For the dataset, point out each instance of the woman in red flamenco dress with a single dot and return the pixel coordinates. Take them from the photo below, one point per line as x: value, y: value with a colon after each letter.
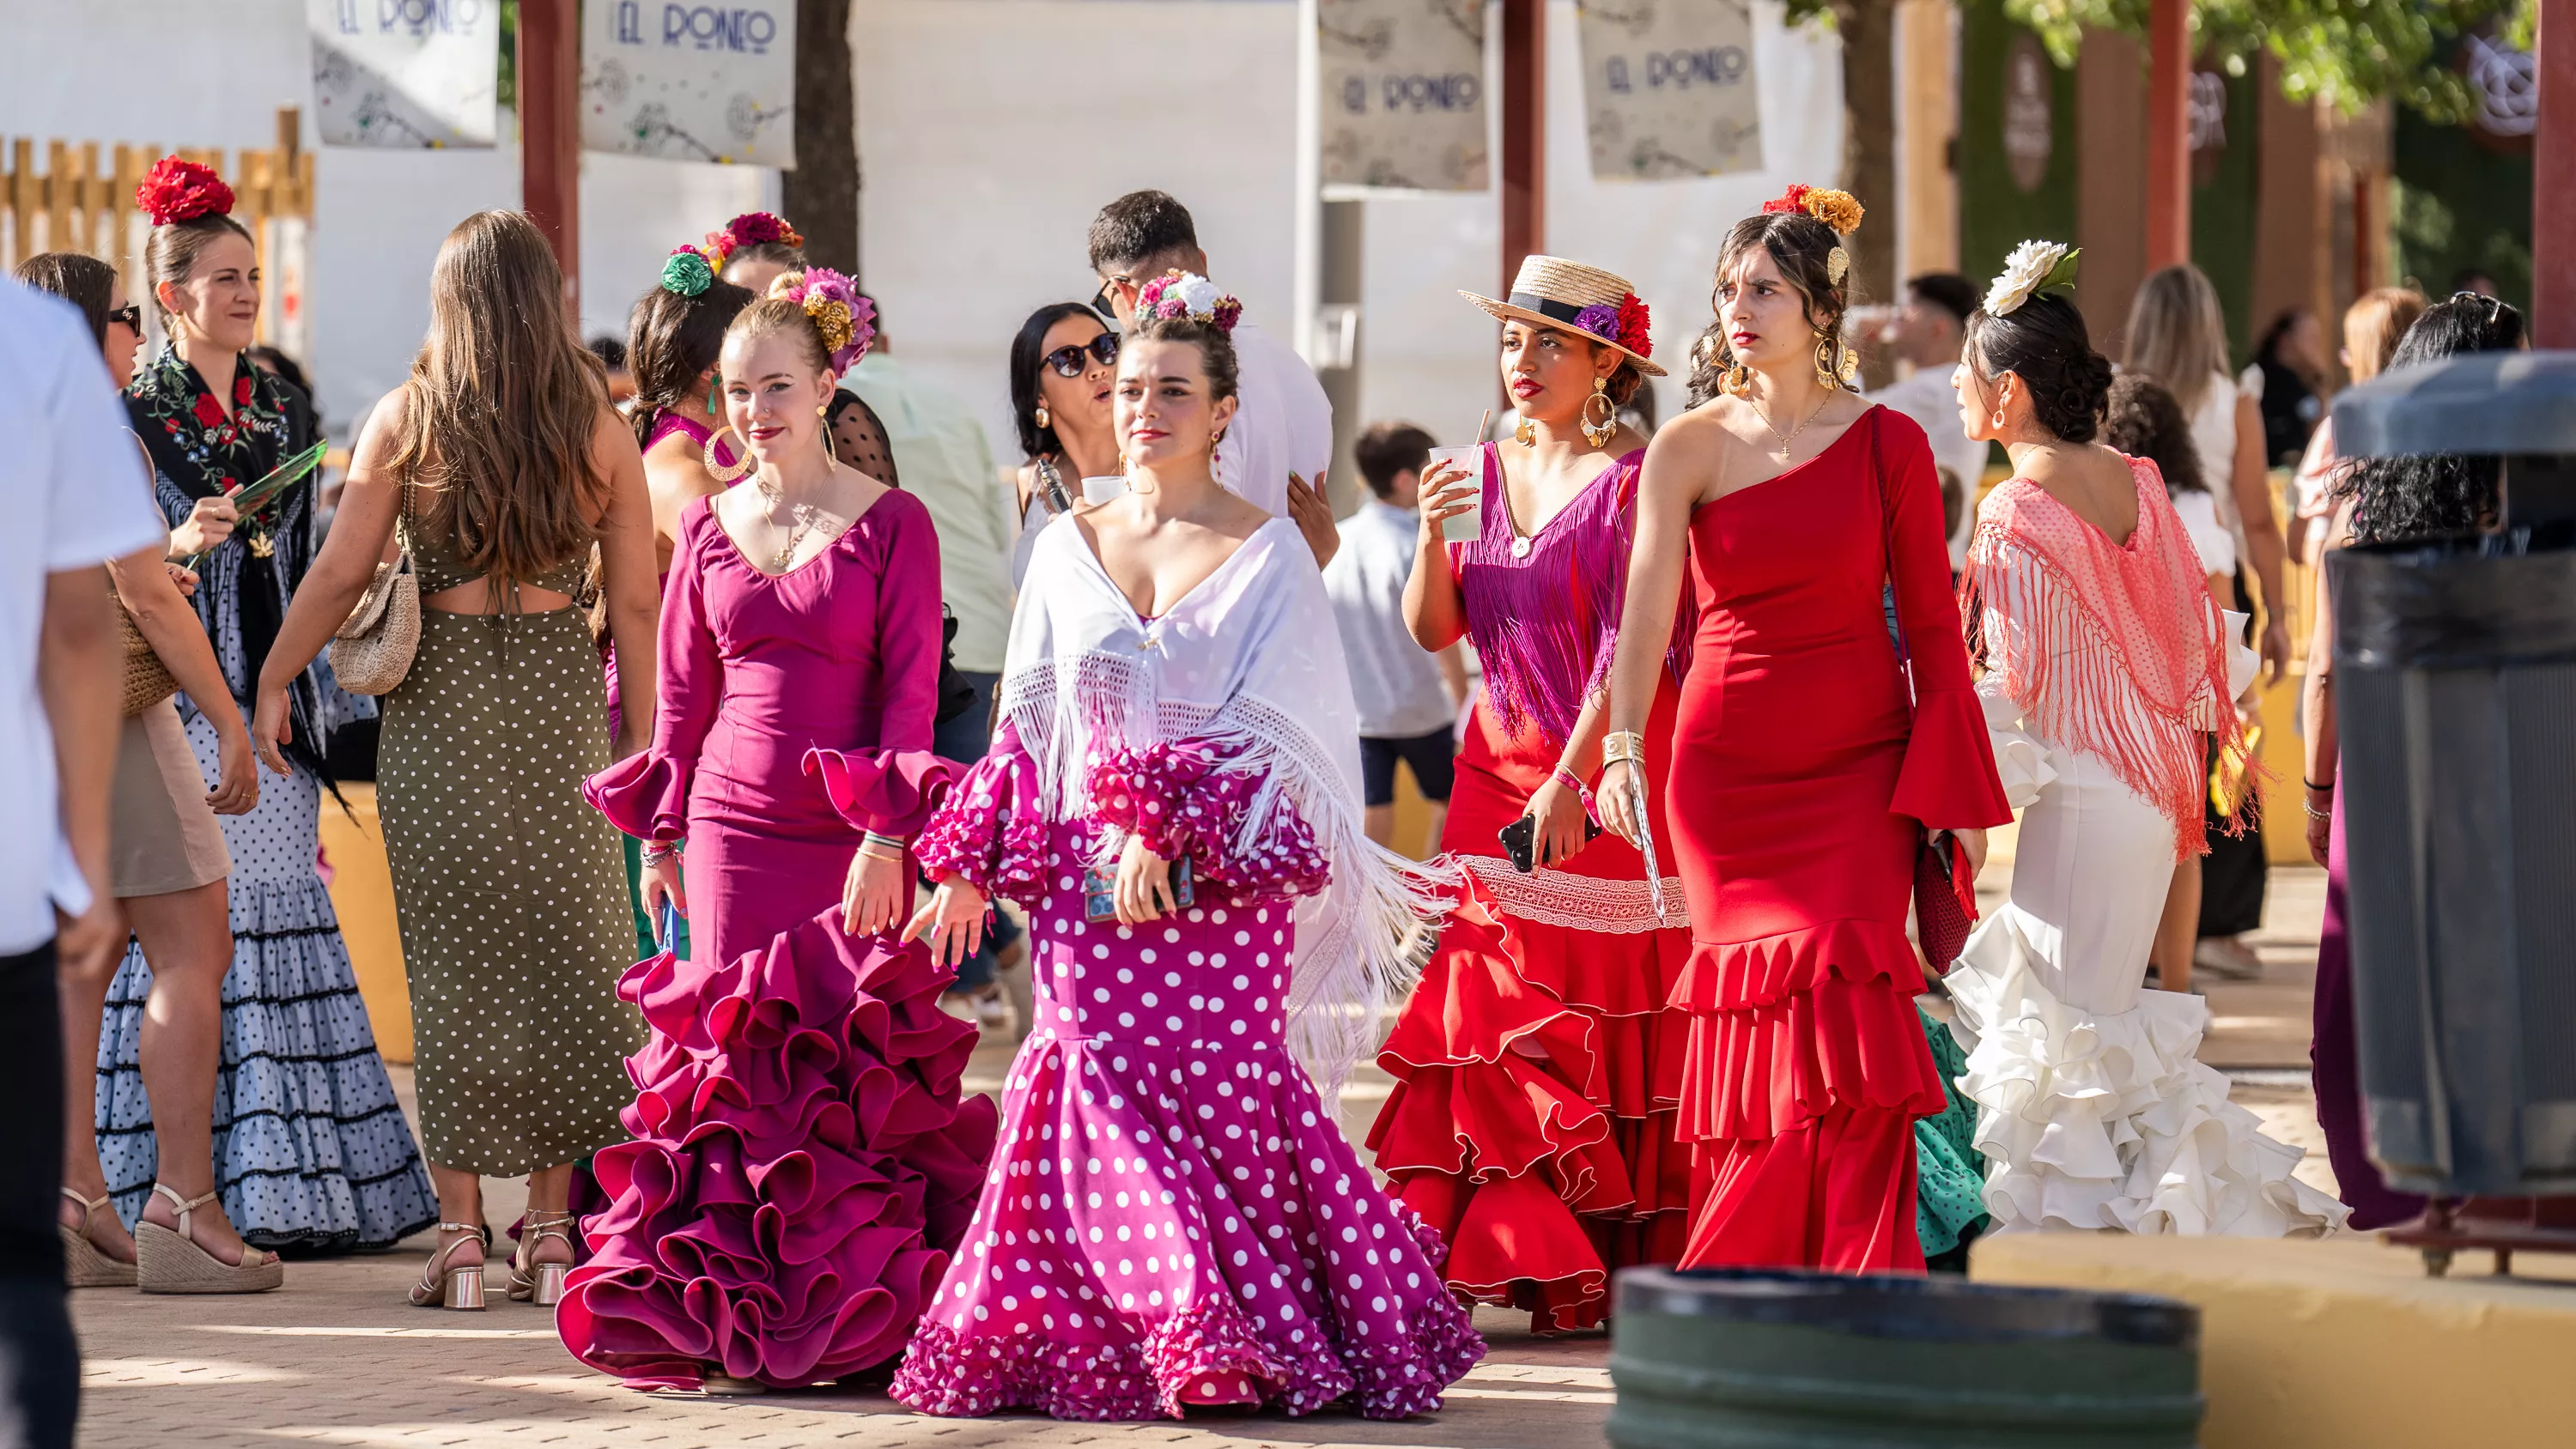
x: 1538, y: 1073
x: 1803, y: 776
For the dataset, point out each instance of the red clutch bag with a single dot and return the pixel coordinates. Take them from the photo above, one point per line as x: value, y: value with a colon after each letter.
x: 1945, y: 899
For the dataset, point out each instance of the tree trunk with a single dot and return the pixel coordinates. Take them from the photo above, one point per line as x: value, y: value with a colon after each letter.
x: 822, y: 194
x: 1868, y: 30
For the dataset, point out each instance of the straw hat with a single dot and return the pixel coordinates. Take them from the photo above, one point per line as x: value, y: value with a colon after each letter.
x: 1554, y: 292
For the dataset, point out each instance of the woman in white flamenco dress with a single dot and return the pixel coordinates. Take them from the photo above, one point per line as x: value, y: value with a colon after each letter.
x: 2108, y: 665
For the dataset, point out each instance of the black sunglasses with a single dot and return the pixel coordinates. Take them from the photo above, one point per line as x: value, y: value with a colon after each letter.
x: 131, y: 315
x: 1067, y: 361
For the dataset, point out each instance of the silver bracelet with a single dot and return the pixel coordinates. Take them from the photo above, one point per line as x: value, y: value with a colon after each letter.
x: 657, y: 851
x: 891, y: 842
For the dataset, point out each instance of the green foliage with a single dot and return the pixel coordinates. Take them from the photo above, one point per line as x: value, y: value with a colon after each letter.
x: 509, y: 80
x: 2348, y: 52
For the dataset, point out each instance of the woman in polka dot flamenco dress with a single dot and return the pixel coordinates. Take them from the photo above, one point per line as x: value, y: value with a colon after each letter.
x: 1173, y: 1218
x: 801, y: 1165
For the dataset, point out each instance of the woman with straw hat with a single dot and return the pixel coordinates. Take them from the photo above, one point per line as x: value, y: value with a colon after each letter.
x: 1538, y: 1071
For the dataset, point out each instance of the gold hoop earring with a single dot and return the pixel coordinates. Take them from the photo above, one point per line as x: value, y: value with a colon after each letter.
x: 1042, y: 419
x: 742, y: 463
x: 1602, y: 432
x: 1527, y: 433
x: 1828, y: 364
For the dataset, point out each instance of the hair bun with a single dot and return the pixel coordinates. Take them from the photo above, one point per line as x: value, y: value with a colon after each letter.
x: 175, y: 191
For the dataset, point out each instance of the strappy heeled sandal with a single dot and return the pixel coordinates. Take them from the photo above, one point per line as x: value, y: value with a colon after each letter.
x: 451, y: 1285
x: 169, y: 1260
x: 530, y: 1280
x: 85, y: 1264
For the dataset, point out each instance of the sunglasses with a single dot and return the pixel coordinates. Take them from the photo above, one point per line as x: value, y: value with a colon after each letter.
x: 131, y: 315
x: 1067, y: 361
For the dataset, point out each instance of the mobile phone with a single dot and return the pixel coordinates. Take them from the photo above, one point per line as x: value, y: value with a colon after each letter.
x: 1100, y: 897
x: 1520, y: 841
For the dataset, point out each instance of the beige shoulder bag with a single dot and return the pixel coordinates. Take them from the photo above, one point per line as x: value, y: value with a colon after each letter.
x: 373, y: 651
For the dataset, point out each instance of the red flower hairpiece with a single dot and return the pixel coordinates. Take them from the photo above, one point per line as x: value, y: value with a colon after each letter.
x: 753, y: 228
x: 175, y: 190
x: 1634, y: 324
x: 1793, y: 199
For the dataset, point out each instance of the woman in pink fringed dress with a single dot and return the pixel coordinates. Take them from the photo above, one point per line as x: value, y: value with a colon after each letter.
x: 1174, y: 1219
x: 801, y: 1167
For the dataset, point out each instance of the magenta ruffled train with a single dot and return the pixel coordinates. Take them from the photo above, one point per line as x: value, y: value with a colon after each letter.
x: 802, y: 1167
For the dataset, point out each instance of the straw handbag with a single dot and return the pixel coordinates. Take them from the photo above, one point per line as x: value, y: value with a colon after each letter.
x: 372, y: 651
x: 147, y: 679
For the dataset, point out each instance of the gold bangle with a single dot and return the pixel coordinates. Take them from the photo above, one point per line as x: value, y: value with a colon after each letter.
x: 872, y: 855
x: 1621, y: 745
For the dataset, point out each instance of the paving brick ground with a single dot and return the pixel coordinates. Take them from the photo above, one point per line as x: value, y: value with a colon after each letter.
x: 338, y: 1357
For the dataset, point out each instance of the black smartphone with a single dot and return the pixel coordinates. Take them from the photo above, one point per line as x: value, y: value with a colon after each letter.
x: 1520, y: 841
x: 1100, y: 896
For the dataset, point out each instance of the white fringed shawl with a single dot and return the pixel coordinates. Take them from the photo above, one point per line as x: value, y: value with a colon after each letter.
x: 1250, y: 661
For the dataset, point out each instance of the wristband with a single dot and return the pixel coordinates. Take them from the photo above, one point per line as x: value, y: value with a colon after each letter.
x: 657, y: 851
x: 2327, y: 788
x: 1574, y: 782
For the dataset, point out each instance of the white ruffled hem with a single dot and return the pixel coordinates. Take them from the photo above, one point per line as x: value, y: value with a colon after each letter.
x: 2112, y: 1122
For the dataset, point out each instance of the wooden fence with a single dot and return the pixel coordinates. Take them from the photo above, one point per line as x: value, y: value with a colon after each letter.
x: 83, y: 201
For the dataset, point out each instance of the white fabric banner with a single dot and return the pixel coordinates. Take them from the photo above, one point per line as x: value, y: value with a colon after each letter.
x: 405, y: 75
x: 690, y: 82
x: 1668, y: 88
x: 1403, y: 98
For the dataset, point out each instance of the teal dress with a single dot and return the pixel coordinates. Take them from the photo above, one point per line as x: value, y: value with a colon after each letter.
x: 1949, y: 1195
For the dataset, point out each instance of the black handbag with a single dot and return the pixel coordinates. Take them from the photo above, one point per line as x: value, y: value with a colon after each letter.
x: 956, y: 691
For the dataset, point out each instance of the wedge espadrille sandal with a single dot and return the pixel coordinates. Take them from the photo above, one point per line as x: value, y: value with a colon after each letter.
x: 169, y: 1260
x: 84, y: 1264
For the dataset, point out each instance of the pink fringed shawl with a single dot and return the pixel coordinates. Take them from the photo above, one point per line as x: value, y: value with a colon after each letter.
x: 2117, y: 650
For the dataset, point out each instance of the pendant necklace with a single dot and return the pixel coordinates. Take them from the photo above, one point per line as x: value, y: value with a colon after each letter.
x: 1791, y: 435
x: 804, y: 516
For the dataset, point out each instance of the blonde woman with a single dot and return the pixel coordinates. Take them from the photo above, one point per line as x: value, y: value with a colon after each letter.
x: 501, y: 464
x: 2178, y: 337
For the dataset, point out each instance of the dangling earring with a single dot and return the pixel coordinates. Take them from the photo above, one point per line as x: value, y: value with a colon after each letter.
x: 1850, y: 371
x: 1043, y: 420
x: 1739, y: 381
x: 1601, y: 432
x: 1527, y: 433
x: 714, y: 381
x: 742, y: 464
x: 1998, y: 420
x: 1828, y: 368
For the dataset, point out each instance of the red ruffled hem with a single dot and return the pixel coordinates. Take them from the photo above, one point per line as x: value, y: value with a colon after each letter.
x: 1788, y: 1027
x: 801, y: 1171
x: 1535, y: 1134
x: 889, y: 791
x: 646, y: 796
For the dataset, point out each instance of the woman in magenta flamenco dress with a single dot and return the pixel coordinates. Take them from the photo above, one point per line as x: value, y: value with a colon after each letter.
x: 801, y: 1168
x: 1174, y: 1218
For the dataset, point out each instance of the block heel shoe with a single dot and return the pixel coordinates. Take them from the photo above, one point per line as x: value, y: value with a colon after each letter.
x: 451, y: 1285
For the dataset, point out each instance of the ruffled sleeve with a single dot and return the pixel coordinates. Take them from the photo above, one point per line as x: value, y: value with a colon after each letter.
x: 888, y: 791
x: 1948, y: 781
x: 2021, y: 761
x: 1249, y: 843
x: 990, y: 832
x: 647, y: 795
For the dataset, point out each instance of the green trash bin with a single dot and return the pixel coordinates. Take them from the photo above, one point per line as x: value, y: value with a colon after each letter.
x: 1763, y: 1359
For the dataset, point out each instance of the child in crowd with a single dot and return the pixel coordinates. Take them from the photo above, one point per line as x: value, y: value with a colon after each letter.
x: 1408, y: 699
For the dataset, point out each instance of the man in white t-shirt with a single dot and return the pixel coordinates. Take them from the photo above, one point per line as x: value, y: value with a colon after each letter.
x: 1408, y: 698
x: 1928, y: 333
x: 1275, y: 451
x: 70, y: 490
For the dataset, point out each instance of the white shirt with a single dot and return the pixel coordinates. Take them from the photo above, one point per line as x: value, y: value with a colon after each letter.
x: 2209, y: 538
x: 70, y: 491
x: 942, y: 457
x: 1282, y: 424
x: 1395, y: 681
x: 1929, y: 400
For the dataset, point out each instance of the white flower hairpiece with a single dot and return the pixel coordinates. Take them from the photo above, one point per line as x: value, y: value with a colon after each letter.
x: 2035, y: 268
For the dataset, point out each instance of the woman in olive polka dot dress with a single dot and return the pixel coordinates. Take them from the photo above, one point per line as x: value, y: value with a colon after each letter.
x: 500, y: 464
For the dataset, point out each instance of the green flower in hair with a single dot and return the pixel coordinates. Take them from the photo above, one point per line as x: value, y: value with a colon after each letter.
x: 687, y: 272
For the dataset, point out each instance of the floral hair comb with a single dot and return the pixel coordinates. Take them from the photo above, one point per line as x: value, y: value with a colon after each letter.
x: 2035, y: 269
x: 846, y: 319
x: 690, y: 270
x: 1178, y: 294
x: 175, y: 190
x: 1838, y: 210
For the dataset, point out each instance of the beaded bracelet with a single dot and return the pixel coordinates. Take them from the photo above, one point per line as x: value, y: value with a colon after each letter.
x: 657, y: 851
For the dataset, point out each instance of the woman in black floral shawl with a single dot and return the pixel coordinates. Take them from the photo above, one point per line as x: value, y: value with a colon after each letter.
x: 311, y: 1149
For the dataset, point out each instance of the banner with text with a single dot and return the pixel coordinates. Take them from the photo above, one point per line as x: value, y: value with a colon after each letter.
x: 1668, y: 88
x: 405, y: 74
x: 690, y: 82
x: 1403, y: 94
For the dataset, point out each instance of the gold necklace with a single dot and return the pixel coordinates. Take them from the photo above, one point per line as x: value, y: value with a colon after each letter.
x: 1791, y: 435
x: 804, y: 517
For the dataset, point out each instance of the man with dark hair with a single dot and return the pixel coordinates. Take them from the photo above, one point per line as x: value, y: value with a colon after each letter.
x: 1282, y: 434
x: 1408, y: 700
x: 1927, y: 333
